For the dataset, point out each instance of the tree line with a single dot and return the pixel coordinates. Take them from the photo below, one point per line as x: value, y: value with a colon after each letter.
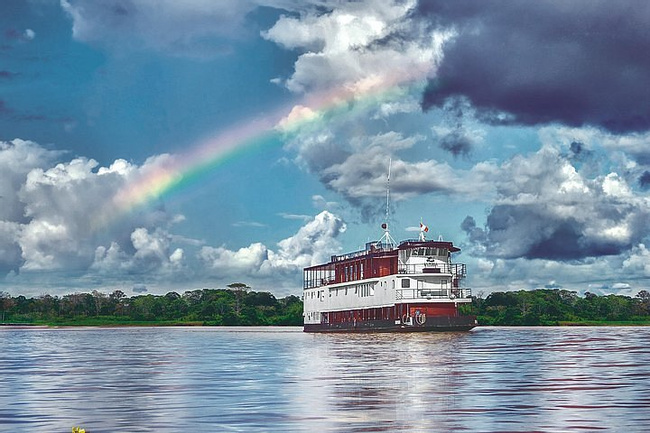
x: 239, y: 305
x: 232, y: 306
x: 557, y: 307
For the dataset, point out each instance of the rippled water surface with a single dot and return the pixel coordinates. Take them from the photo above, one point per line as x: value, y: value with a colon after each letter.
x: 282, y: 380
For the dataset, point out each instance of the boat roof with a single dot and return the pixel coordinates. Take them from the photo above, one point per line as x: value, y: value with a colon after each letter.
x: 414, y: 243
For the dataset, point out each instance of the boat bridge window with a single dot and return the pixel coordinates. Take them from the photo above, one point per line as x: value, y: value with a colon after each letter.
x: 406, y: 283
x: 428, y: 252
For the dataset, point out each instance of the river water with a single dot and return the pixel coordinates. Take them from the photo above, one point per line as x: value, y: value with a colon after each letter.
x: 283, y: 380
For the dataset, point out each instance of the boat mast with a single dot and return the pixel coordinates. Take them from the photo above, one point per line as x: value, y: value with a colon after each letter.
x: 386, y: 238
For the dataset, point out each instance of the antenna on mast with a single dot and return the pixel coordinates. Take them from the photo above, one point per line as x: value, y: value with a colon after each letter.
x: 390, y: 163
x: 386, y: 237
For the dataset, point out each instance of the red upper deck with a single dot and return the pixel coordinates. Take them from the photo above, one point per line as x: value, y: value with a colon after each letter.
x: 375, y: 261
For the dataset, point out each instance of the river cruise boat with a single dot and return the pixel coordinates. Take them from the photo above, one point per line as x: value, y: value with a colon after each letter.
x: 387, y: 287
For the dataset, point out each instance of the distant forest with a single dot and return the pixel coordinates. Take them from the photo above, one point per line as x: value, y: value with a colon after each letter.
x: 239, y: 305
x: 559, y: 307
x: 236, y: 305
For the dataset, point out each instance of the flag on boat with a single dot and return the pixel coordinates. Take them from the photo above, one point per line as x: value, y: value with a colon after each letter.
x: 423, y: 228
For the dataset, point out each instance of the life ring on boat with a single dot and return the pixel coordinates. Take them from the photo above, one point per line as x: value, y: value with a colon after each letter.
x: 421, y: 318
x: 405, y: 319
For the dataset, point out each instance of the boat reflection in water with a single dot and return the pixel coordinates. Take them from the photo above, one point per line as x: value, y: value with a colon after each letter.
x: 489, y: 379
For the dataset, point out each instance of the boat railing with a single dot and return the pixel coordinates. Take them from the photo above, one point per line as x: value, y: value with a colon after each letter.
x: 376, y: 247
x: 458, y: 270
x: 423, y: 268
x: 348, y: 256
x: 433, y: 293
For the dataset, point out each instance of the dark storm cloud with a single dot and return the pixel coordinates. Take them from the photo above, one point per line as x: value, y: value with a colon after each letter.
x: 567, y: 241
x: 546, y: 209
x: 475, y: 234
x: 528, y: 231
x: 575, y: 62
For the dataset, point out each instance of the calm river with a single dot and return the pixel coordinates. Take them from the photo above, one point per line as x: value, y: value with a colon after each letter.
x: 282, y: 380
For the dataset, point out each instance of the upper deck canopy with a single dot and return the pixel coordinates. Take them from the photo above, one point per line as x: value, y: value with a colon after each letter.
x: 413, y: 243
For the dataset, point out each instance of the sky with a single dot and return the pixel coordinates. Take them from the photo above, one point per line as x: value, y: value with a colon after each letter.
x: 155, y: 146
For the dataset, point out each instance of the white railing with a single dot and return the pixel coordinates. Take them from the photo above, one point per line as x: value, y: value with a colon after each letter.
x: 428, y: 294
x: 456, y: 269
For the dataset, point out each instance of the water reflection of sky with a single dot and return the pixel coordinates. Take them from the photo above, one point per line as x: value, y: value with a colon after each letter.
x: 382, y: 382
x: 212, y: 379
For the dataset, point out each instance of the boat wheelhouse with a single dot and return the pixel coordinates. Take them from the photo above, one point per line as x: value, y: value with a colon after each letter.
x: 413, y: 286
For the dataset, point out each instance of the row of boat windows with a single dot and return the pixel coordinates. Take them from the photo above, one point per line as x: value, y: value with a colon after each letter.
x: 366, y: 290
x: 361, y: 290
x: 317, y: 294
x: 354, y: 316
x: 353, y: 272
x: 442, y: 252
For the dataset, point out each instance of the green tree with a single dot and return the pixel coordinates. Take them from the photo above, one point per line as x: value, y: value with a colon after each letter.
x: 239, y: 289
x: 115, y: 303
x: 643, y: 302
x: 6, y: 302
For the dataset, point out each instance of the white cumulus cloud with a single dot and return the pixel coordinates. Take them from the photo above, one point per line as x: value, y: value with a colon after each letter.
x: 149, y: 251
x: 59, y: 216
x: 358, y: 46
x: 314, y: 243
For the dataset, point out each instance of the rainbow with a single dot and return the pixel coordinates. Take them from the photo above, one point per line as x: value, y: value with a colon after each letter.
x: 179, y: 170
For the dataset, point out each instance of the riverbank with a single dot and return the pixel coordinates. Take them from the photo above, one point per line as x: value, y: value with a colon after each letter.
x: 97, y: 322
x: 101, y: 322
x: 607, y: 323
x: 239, y: 306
